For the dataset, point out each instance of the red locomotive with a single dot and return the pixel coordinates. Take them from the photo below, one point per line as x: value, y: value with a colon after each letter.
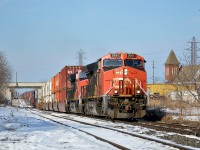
x: 113, y: 86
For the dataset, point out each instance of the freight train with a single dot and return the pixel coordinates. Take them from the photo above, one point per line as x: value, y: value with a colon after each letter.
x: 27, y: 99
x: 114, y: 86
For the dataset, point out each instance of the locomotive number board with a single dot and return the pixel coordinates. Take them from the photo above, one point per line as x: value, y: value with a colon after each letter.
x: 130, y: 55
x: 115, y: 55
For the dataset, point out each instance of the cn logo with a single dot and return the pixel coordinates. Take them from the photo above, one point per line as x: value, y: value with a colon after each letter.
x: 70, y: 72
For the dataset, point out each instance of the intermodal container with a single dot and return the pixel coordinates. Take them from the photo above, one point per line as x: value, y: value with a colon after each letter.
x: 57, y: 96
x: 53, y: 85
x: 64, y: 83
x: 63, y: 95
x: 36, y: 94
x: 40, y: 95
x: 57, y: 82
x: 32, y: 98
x: 29, y: 95
x: 50, y: 95
x: 43, y: 93
x: 48, y: 92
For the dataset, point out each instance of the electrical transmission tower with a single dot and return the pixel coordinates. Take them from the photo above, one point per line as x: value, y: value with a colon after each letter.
x: 193, y: 50
x: 80, y: 57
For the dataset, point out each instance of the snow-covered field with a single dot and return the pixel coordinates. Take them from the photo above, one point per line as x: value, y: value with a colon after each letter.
x: 22, y: 130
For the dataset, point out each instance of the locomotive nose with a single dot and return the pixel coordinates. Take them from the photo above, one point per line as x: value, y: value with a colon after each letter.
x: 121, y: 82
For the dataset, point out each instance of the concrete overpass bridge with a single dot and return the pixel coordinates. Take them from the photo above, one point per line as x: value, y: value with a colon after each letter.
x: 21, y: 85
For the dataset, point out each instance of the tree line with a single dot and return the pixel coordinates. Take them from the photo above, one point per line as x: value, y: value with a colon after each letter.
x: 5, y: 75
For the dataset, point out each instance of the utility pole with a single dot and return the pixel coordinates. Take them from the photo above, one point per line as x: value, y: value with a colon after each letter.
x: 16, y: 80
x: 193, y: 50
x: 153, y: 67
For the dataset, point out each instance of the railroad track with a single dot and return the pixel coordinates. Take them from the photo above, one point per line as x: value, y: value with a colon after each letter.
x: 95, y: 136
x: 108, y: 128
x: 177, y: 128
x: 168, y: 127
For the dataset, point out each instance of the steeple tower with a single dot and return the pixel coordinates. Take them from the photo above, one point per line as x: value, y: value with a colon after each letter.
x: 171, y: 67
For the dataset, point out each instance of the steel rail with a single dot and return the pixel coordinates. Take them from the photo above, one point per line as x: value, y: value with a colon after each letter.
x: 97, y: 137
x: 170, y: 128
x: 132, y: 134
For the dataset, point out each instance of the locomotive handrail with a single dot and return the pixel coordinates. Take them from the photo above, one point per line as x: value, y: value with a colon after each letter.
x: 109, y: 90
x: 143, y: 89
x: 111, y: 87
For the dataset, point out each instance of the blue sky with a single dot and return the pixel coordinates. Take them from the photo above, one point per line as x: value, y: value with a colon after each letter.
x: 40, y: 37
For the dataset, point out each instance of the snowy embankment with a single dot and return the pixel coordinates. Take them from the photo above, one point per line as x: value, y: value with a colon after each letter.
x: 21, y: 129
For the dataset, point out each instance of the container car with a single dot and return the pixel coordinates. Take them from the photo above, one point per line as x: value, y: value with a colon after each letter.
x: 60, y: 86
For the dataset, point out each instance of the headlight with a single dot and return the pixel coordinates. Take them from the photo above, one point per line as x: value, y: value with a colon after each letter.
x: 138, y: 91
x: 125, y: 71
x: 115, y: 91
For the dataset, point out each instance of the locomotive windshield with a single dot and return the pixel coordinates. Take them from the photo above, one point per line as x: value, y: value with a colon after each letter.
x: 133, y: 63
x: 112, y: 62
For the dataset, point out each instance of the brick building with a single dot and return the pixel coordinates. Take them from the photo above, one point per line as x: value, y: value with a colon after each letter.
x: 171, y: 67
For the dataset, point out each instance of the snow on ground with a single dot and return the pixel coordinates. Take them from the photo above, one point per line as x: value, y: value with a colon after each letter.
x: 192, y: 114
x: 22, y: 130
x: 192, y: 118
x: 122, y: 139
x: 20, y: 103
x: 125, y: 127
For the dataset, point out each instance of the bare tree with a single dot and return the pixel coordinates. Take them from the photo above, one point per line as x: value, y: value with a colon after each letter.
x: 5, y: 73
x: 189, y: 78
